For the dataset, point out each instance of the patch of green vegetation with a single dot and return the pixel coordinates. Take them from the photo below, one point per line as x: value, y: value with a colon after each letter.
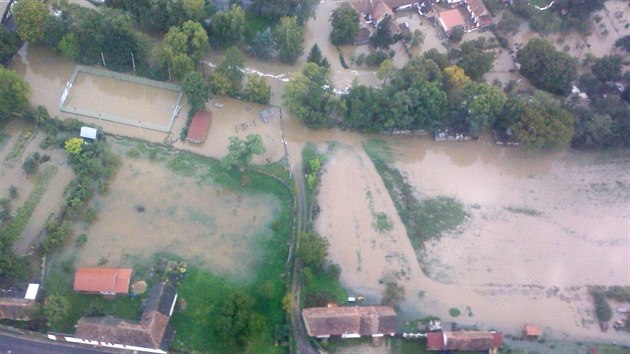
x: 383, y: 222
x: 454, y: 312
x: 20, y: 144
x: 257, y: 23
x: 423, y: 219
x: 59, y: 281
x: 312, y: 165
x: 203, y: 291
x: 523, y: 210
x: 13, y: 230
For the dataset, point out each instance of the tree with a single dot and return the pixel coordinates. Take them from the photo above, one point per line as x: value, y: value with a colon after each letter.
x: 547, y: 68
x: 29, y: 17
x: 545, y: 22
x: 481, y: 104
x: 421, y: 106
x: 228, y: 28
x: 386, y: 70
x: 55, y: 308
x: 623, y: 43
x: 591, y: 129
x: 9, y: 45
x: 196, y: 89
x: 509, y: 23
x: 241, y: 152
x: 382, y: 38
x: 315, y: 56
x: 257, y: 90
x: 182, y: 48
x: 14, y: 94
x: 544, y: 124
x: 456, y: 35
x: 236, y: 321
x: 345, y: 25
x: 263, y: 45
x: 438, y: 58
x: 312, y: 250
x: 180, y: 11
x: 309, y: 96
x: 472, y: 57
x: 289, y: 41
x: 74, y: 147
x: 229, y: 73
x: 417, y: 39
x: 69, y: 46
x: 608, y: 68
x: 455, y: 78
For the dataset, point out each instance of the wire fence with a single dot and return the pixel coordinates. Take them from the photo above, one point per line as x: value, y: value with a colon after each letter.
x: 122, y: 77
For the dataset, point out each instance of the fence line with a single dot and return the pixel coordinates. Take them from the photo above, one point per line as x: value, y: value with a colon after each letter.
x: 123, y: 77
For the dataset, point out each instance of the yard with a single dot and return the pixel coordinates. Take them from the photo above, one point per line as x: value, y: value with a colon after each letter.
x: 231, y: 229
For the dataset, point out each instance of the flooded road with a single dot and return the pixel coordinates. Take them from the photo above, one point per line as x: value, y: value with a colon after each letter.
x: 542, y: 227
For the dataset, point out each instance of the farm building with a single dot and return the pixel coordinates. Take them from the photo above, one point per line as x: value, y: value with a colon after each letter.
x: 150, y: 334
x: 350, y: 322
x: 108, y: 281
x: 464, y: 341
x: 198, y: 128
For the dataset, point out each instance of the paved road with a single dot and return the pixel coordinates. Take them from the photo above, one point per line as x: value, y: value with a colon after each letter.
x: 10, y: 344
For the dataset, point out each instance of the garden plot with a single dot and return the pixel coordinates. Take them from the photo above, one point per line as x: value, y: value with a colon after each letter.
x: 152, y: 209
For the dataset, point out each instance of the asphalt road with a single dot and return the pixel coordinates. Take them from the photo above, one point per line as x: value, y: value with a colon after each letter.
x: 10, y: 344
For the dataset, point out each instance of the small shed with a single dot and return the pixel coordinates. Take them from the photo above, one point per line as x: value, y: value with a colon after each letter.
x: 532, y: 332
x: 89, y: 134
x: 266, y: 114
x: 198, y: 129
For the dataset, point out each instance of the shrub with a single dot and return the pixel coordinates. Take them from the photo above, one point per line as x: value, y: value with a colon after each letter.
x: 13, y: 192
x: 30, y: 166
x: 80, y: 240
x: 602, y: 308
x: 374, y: 59
x: 454, y: 312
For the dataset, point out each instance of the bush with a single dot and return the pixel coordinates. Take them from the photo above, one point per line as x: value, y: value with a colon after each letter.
x: 30, y: 166
x: 602, y: 308
x: 456, y: 35
x: 374, y: 59
x: 80, y: 240
x: 454, y: 312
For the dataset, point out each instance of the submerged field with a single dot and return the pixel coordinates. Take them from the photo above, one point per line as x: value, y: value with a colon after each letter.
x: 232, y: 229
x: 538, y: 230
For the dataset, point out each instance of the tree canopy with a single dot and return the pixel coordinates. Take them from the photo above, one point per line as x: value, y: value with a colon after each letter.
x: 546, y: 68
x: 9, y: 45
x: 473, y: 58
x: 29, y: 17
x: 345, y: 25
x: 315, y: 56
x: 241, y: 152
x: 309, y: 96
x: 479, y: 105
x: 182, y: 47
x: 543, y: 123
x: 228, y: 28
x: 289, y: 42
x: 257, y: 90
x: 196, y: 89
x: 14, y: 94
x: 228, y: 76
x: 312, y: 250
x: 608, y: 68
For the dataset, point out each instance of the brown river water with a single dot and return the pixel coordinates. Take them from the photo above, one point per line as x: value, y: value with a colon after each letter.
x: 508, y: 268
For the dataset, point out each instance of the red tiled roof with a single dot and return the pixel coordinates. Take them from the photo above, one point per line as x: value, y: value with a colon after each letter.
x: 477, y: 7
x: 337, y: 321
x: 484, y: 21
x: 103, y: 280
x: 15, y: 308
x: 463, y: 340
x: 450, y: 19
x: 533, y: 330
x: 199, y: 127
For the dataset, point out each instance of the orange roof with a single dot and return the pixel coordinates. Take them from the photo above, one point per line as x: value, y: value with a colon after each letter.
x: 533, y: 330
x: 198, y: 128
x: 450, y: 19
x: 103, y: 280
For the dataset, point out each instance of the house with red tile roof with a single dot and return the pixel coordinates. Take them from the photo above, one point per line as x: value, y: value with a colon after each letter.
x: 451, y: 19
x: 479, y: 13
x: 350, y: 322
x: 464, y: 341
x: 107, y: 281
x: 151, y: 334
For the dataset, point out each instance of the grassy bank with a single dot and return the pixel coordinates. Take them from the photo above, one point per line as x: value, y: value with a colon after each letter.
x: 424, y: 219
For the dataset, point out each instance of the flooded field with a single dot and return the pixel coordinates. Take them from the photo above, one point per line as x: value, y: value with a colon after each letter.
x: 14, y: 150
x: 541, y: 229
x: 150, y: 209
x: 123, y: 99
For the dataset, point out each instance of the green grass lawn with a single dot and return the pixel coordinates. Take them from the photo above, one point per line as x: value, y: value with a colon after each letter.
x: 59, y: 281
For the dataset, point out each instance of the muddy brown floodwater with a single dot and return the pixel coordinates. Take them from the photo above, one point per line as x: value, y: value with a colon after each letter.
x: 149, y: 209
x: 122, y: 99
x: 542, y: 227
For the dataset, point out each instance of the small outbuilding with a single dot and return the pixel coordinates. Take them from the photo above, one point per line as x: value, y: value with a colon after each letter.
x: 451, y: 19
x: 106, y: 281
x: 18, y: 306
x: 532, y: 332
x: 198, y: 129
x: 89, y: 134
x: 350, y: 322
x: 464, y: 341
